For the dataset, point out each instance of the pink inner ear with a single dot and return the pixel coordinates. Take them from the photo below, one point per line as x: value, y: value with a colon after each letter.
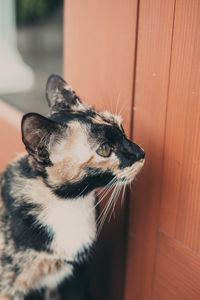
x: 36, y: 131
x: 33, y: 131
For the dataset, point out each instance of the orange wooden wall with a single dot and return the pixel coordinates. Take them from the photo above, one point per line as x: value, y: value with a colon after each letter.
x: 146, y: 54
x: 10, y: 135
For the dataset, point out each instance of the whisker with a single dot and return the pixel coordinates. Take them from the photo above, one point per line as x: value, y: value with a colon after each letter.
x: 109, y: 183
x: 105, y: 207
x: 112, y: 104
x: 122, y: 110
x: 112, y: 198
x: 115, y: 201
x: 111, y: 203
x: 123, y: 194
x: 106, y: 211
x: 101, y: 220
x: 103, y: 197
x: 105, y: 193
x: 117, y: 104
x: 82, y: 191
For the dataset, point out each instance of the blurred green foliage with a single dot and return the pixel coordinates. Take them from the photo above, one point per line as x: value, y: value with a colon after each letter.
x: 32, y: 11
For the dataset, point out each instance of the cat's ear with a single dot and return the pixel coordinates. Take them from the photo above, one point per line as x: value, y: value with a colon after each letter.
x: 60, y: 95
x: 38, y: 134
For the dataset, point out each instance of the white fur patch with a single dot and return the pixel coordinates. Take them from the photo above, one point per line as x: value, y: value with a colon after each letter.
x: 73, y: 223
x: 75, y: 147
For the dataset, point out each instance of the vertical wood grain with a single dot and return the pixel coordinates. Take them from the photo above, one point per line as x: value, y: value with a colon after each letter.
x: 178, y: 271
x: 99, y: 48
x: 155, y: 29
x: 99, y: 52
x: 180, y: 207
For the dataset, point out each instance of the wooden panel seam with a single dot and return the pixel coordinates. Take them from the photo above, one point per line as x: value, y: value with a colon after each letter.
x: 128, y: 194
x: 163, y: 148
x: 134, y: 67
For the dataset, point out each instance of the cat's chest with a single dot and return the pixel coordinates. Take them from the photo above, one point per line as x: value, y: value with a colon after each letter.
x: 73, y: 225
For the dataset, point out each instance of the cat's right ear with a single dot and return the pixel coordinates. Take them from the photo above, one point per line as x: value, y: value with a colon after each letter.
x: 38, y: 134
x: 60, y: 95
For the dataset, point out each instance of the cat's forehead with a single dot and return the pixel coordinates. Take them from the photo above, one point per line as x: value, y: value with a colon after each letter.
x: 108, y: 118
x: 88, y: 116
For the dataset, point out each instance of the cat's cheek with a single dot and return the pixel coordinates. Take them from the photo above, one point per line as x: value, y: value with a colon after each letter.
x: 111, y: 163
x: 64, y: 172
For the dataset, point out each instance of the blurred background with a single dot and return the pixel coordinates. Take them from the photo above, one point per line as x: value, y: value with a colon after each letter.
x: 30, y: 50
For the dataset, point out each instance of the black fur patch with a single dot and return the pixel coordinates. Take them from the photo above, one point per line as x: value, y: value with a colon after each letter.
x: 78, y: 286
x: 6, y: 259
x: 84, y: 186
x: 28, y: 233
x: 36, y: 295
x: 126, y: 151
x: 28, y: 171
x: 25, y: 230
x: 67, y: 116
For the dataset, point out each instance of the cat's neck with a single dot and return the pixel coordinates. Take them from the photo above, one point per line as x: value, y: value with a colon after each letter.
x: 61, y: 225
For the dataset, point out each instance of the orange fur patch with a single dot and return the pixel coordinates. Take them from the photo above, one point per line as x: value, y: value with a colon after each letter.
x: 98, y: 120
x: 4, y: 297
x: 42, y: 266
x: 66, y: 171
x: 105, y: 164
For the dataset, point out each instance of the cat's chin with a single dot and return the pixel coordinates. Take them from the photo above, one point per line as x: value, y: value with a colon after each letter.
x: 128, y: 174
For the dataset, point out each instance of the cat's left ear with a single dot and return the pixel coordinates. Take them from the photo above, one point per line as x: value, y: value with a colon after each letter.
x: 38, y: 135
x: 60, y: 95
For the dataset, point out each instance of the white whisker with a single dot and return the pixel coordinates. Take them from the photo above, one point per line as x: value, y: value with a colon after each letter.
x: 105, y: 207
x: 105, y: 191
x: 122, y: 110
x: 117, y: 104
x: 108, y: 185
x: 105, y: 211
x: 115, y: 201
x: 82, y: 191
x: 123, y: 194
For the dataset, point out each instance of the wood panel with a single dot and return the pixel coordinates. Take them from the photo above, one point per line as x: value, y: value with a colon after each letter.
x: 155, y: 30
x: 99, y: 52
x: 178, y: 271
x: 180, y: 208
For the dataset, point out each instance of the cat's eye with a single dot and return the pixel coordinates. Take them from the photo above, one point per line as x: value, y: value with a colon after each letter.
x: 104, y: 150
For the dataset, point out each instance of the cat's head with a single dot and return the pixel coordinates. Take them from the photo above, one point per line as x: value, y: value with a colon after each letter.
x: 81, y: 149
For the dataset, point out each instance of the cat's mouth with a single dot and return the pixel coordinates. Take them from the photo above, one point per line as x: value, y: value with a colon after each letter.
x: 128, y: 174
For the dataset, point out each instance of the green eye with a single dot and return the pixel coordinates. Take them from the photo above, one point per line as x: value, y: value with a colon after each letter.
x: 104, y: 150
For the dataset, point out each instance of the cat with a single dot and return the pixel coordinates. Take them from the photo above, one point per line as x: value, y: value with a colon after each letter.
x: 48, y: 203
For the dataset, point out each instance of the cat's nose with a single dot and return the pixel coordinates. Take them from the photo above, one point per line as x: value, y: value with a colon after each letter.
x: 135, y: 151
x: 140, y: 154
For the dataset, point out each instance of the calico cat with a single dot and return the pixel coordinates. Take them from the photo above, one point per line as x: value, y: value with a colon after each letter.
x: 48, y: 203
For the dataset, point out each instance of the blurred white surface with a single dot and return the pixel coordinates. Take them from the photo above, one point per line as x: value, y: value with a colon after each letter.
x: 15, y: 75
